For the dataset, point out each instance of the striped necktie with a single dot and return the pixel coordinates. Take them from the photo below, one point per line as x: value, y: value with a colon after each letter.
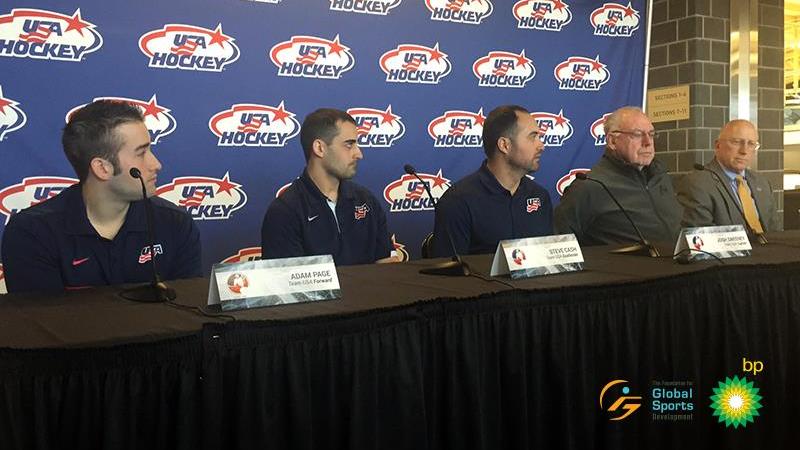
x: 748, y: 205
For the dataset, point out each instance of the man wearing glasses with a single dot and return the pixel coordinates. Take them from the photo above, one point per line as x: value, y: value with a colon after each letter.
x: 639, y: 182
x: 727, y: 192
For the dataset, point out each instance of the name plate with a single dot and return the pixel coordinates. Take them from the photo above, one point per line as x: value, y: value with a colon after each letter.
x: 723, y: 242
x: 530, y: 257
x: 270, y: 282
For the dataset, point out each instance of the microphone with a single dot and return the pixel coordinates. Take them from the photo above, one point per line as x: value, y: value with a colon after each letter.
x: 759, y: 236
x: 642, y: 247
x: 157, y: 291
x: 456, y: 267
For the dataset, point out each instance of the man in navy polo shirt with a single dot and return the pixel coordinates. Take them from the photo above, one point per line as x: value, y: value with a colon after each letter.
x: 498, y: 201
x: 323, y: 212
x: 95, y: 232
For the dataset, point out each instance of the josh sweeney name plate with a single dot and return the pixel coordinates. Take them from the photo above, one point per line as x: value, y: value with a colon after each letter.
x: 253, y: 284
x: 530, y: 257
x: 725, y: 241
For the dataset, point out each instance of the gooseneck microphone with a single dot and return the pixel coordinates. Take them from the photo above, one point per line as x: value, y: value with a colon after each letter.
x: 762, y: 239
x: 643, y: 246
x: 456, y: 267
x: 157, y: 291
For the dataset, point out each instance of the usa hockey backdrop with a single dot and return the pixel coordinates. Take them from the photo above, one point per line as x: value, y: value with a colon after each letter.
x: 225, y: 84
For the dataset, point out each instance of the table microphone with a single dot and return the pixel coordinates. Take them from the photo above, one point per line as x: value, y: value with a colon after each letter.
x: 456, y: 267
x: 759, y: 236
x: 642, y: 247
x: 156, y: 291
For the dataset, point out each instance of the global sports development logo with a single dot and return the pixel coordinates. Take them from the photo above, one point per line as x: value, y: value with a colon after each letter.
x: 42, y: 34
x: 471, y: 12
x: 546, y: 15
x: 375, y: 7
x: 244, y: 255
x: 312, y: 57
x: 457, y: 129
x: 408, y: 193
x: 377, y: 128
x: 31, y: 191
x: 578, y: 73
x: 598, y: 131
x: 157, y: 118
x: 253, y: 125
x: 564, y: 182
x: 554, y: 129
x: 615, y: 399
x: 12, y: 118
x: 614, y: 20
x: 189, y: 47
x: 412, y: 63
x: 205, y: 198
x: 503, y: 69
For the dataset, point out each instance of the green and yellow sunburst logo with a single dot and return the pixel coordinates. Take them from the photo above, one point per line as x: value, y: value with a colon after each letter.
x: 735, y: 401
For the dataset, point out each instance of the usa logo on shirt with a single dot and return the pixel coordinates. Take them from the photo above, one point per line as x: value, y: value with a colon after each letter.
x: 578, y: 73
x: 157, y: 119
x: 471, y: 12
x: 457, y: 129
x: 146, y: 255
x: 375, y: 7
x: 614, y: 20
x: 413, y: 63
x: 189, y: 47
x: 31, y: 191
x: 377, y: 128
x: 42, y: 34
x: 533, y: 204
x: 598, y: 130
x: 503, y: 69
x: 546, y: 15
x: 554, y: 129
x: 12, y: 118
x: 312, y: 57
x: 361, y: 211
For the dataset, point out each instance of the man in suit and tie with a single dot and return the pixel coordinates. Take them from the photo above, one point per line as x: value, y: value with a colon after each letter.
x: 736, y: 192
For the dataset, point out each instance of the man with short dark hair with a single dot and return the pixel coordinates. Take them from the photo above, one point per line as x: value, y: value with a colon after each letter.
x: 498, y: 201
x: 323, y: 212
x: 95, y: 232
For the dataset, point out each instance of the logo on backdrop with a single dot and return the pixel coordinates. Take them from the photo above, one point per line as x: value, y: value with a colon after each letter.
x: 619, y: 406
x: 614, y: 20
x: 205, y: 198
x: 412, y: 63
x: 252, y: 125
x: 189, y: 47
x: 598, y: 132
x: 564, y: 182
x: 547, y: 15
x: 554, y: 129
x: 457, y: 129
x: 12, y: 118
x: 244, y: 255
x: 283, y: 188
x: 375, y: 7
x: 377, y: 128
x: 274, y: 2
x: 42, y: 34
x: 408, y: 194
x: 460, y: 11
x: 503, y: 69
x: 157, y: 119
x: 31, y: 191
x: 581, y: 74
x: 312, y: 57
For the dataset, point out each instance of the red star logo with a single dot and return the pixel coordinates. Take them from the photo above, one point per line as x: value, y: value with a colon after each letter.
x: 438, y: 180
x: 522, y: 60
x: 596, y: 64
x: 436, y: 54
x: 218, y: 38
x: 75, y: 23
x: 281, y: 114
x: 225, y: 185
x: 629, y: 11
x: 388, y: 117
x: 560, y: 119
x: 335, y: 47
x: 152, y: 108
x: 3, y: 103
x: 479, y: 118
x: 558, y: 5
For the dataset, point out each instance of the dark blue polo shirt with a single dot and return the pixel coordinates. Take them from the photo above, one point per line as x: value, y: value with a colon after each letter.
x: 479, y: 212
x: 300, y: 223
x: 52, y: 246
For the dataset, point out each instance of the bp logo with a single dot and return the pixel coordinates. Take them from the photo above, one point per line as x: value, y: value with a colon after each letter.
x: 12, y: 118
x: 735, y: 401
x: 157, y: 119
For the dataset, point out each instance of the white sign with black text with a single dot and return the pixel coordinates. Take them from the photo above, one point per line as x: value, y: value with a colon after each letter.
x: 530, y: 257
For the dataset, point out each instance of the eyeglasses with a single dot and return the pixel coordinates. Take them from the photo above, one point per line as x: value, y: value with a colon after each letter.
x: 637, y: 134
x: 752, y: 145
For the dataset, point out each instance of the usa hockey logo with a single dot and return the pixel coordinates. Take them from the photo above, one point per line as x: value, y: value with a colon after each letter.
x: 375, y: 7
x: 554, y: 129
x: 312, y: 57
x: 42, y: 34
x: 598, y: 132
x: 412, y: 63
x: 31, y: 191
x: 460, y: 11
x: 145, y: 255
x: 244, y: 255
x: 205, y: 198
x: 503, y: 69
x: 189, y: 47
x: 408, y: 194
x: 546, y: 15
x: 578, y: 73
x: 614, y: 20
x: 563, y: 183
x: 457, y: 129
x: 12, y: 118
x: 377, y: 128
x: 157, y: 119
x: 252, y: 125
